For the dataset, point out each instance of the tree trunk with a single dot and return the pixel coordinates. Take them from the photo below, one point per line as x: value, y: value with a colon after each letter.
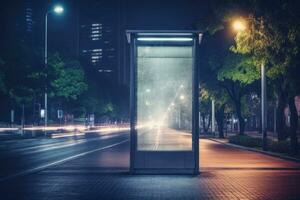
x: 205, y: 127
x: 241, y: 119
x: 220, y: 120
x: 280, y: 117
x: 293, y: 126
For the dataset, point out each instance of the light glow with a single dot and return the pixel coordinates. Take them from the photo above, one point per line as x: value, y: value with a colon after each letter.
x: 178, y: 39
x: 58, y: 9
x: 239, y: 25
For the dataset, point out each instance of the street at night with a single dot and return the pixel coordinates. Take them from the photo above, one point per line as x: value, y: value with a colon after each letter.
x: 150, y: 99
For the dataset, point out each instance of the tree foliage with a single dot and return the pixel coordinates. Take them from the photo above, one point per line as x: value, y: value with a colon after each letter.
x: 67, y: 78
x: 271, y: 38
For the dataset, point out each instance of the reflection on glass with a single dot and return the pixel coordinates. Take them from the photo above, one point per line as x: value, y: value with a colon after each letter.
x: 164, y: 97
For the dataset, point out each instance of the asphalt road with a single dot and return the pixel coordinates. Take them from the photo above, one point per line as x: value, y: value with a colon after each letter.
x: 18, y: 157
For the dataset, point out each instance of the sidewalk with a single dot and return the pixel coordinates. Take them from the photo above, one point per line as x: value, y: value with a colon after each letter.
x: 226, y: 173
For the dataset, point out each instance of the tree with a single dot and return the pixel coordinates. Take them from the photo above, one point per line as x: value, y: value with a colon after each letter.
x: 20, y: 72
x: 238, y: 76
x: 66, y: 79
x: 204, y: 108
x: 272, y: 38
x: 222, y: 103
x: 227, y: 77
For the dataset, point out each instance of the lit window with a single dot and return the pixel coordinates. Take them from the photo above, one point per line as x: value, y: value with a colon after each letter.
x: 97, y: 53
x: 96, y: 50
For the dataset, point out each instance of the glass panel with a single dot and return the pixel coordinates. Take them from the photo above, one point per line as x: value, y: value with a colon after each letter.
x: 164, y: 98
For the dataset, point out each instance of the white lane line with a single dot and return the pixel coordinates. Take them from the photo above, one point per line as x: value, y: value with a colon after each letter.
x: 46, y: 145
x: 72, y: 144
x: 58, y: 145
x: 42, y: 167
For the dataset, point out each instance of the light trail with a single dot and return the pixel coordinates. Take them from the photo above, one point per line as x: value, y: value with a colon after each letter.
x: 58, y: 162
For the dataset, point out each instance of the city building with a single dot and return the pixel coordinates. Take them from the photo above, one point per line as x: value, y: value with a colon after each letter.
x: 99, y: 36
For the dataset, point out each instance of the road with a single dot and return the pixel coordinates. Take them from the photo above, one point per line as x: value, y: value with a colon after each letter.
x: 97, y: 168
x: 22, y: 156
x: 163, y: 139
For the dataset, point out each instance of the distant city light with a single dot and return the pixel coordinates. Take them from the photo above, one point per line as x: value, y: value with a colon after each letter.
x: 58, y: 9
x: 178, y: 39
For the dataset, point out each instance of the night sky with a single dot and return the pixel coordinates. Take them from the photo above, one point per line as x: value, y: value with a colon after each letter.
x: 135, y: 14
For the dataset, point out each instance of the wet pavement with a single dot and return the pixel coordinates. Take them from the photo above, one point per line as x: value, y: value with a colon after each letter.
x: 226, y: 173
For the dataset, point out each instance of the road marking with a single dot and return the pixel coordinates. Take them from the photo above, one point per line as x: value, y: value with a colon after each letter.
x: 62, y: 144
x: 40, y: 168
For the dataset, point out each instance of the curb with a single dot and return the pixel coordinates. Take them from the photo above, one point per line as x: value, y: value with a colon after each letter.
x: 277, y: 155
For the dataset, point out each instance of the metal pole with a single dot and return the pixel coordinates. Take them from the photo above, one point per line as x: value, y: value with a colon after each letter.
x: 275, y: 116
x: 23, y: 118
x: 46, y: 62
x: 213, y: 117
x: 12, y: 117
x: 263, y: 107
x: 179, y: 117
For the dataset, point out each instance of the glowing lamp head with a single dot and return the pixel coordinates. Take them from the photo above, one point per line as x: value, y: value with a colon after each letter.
x: 239, y: 25
x: 58, y: 9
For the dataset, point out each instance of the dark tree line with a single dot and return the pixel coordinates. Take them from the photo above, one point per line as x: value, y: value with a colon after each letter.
x: 233, y: 60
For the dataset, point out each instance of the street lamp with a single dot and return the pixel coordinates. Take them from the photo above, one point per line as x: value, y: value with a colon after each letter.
x: 240, y: 25
x: 58, y: 9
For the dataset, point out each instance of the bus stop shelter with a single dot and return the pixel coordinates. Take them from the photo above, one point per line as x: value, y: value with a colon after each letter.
x: 164, y: 101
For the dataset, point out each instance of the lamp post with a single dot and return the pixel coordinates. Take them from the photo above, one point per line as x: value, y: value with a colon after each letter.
x: 213, y: 128
x: 240, y: 25
x: 58, y: 10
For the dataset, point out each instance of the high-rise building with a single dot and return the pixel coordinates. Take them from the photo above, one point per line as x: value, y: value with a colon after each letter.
x: 28, y: 16
x: 29, y: 21
x: 99, y: 41
x: 98, y: 46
